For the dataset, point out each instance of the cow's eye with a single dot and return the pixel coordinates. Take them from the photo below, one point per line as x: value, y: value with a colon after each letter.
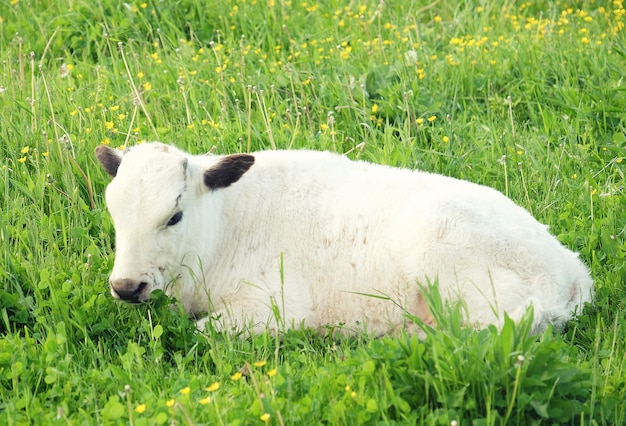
x: 175, y: 219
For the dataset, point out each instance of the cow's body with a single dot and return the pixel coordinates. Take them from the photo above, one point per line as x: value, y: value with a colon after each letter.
x: 326, y: 240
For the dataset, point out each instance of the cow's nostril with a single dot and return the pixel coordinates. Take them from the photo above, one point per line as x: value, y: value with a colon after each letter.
x: 141, y: 287
x: 128, y: 290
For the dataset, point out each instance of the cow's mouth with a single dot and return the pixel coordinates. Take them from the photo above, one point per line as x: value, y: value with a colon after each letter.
x: 129, y: 293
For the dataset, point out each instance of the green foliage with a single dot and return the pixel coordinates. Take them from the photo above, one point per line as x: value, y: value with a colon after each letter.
x: 490, y: 377
x: 525, y: 97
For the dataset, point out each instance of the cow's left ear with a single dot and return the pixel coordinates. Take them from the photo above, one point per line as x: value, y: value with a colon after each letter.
x: 227, y: 170
x: 109, y: 158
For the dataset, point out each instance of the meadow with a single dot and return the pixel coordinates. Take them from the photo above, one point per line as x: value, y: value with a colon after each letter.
x: 526, y: 97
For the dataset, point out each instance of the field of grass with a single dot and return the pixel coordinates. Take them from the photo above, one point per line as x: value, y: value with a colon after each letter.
x: 526, y: 97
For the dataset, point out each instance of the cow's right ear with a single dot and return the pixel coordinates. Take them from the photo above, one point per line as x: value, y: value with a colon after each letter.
x: 227, y: 170
x: 109, y: 158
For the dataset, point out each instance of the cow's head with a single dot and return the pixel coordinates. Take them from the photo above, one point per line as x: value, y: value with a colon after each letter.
x: 158, y: 203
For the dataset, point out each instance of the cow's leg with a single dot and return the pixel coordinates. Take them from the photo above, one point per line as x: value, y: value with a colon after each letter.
x: 235, y: 319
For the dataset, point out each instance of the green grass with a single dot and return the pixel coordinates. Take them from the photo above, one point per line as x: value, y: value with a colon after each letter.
x: 529, y: 98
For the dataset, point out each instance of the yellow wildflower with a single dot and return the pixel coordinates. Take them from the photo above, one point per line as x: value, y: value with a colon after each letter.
x: 170, y: 403
x: 185, y: 391
x: 140, y: 408
x: 265, y: 417
x: 236, y: 376
x: 272, y: 372
x: 259, y: 363
x: 215, y: 386
x: 205, y: 401
x: 25, y: 150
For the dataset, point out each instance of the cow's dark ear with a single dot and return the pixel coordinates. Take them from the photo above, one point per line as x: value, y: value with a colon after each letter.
x: 227, y: 170
x: 109, y: 158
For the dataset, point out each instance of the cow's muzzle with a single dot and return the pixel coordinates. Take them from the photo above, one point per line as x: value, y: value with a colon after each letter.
x: 128, y: 289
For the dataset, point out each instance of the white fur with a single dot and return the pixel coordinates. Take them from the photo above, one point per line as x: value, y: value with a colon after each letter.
x: 345, y: 232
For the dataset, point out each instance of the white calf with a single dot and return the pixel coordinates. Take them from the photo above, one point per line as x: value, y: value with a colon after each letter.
x: 326, y: 240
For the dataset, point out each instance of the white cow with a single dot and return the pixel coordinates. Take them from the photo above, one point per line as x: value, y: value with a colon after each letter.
x: 323, y: 240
